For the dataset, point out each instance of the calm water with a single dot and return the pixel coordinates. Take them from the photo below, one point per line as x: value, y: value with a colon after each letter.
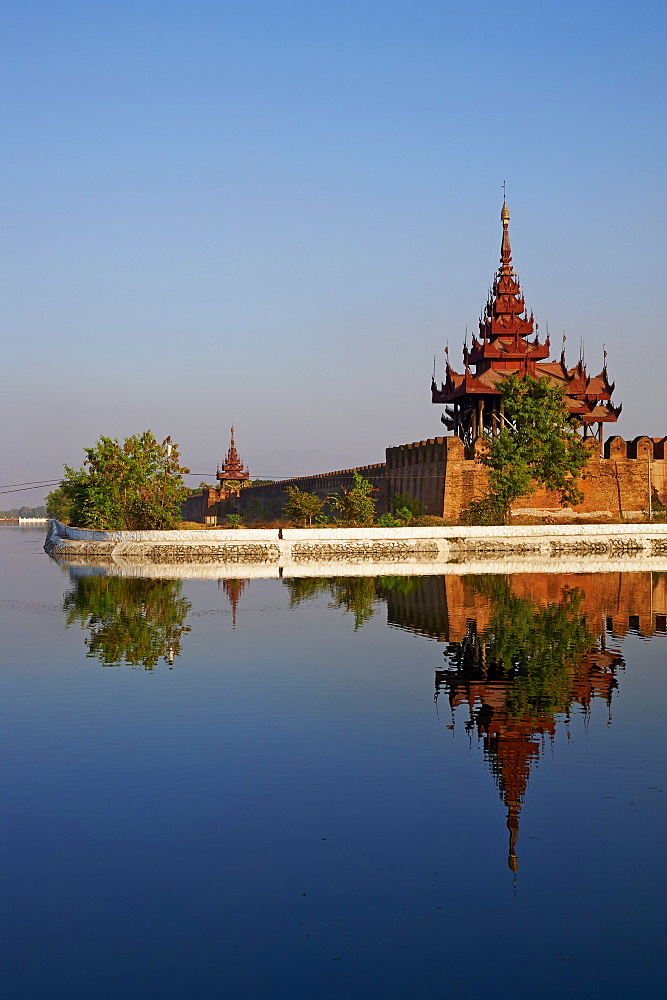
x: 330, y: 789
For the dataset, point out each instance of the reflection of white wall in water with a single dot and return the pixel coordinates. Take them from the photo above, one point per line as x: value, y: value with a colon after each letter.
x: 34, y: 520
x: 262, y: 571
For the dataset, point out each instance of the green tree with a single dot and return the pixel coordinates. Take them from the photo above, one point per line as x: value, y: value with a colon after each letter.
x: 59, y: 505
x: 355, y: 507
x: 136, y: 484
x: 302, y: 507
x: 542, y: 449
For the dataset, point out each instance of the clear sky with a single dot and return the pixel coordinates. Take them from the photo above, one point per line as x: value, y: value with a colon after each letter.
x: 276, y: 213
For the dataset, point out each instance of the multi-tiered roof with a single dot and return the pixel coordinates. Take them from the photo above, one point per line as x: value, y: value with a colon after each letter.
x: 509, y: 342
x: 232, y: 470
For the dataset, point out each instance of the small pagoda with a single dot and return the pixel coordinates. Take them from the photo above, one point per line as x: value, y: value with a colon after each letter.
x: 509, y: 343
x: 233, y: 474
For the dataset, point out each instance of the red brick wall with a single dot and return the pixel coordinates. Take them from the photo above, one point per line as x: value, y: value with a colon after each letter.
x: 437, y: 473
x: 618, y: 483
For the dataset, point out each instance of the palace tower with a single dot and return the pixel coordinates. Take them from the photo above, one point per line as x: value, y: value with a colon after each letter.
x: 509, y: 343
x: 233, y: 470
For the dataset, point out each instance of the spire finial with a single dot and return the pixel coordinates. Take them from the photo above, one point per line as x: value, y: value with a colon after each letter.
x: 505, y: 212
x: 505, y: 248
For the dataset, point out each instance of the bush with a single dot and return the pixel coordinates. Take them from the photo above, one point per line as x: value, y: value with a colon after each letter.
x: 485, y: 511
x: 356, y: 507
x: 389, y: 521
x: 406, y: 506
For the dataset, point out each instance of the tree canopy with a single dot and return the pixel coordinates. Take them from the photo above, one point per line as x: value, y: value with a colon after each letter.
x: 302, y: 507
x: 355, y: 507
x: 133, y: 485
x: 541, y: 449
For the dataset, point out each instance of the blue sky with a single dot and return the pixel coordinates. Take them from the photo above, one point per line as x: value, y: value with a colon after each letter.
x: 277, y: 213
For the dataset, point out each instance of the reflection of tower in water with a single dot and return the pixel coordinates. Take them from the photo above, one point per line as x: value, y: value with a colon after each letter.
x: 513, y: 743
x: 520, y: 654
x: 233, y: 589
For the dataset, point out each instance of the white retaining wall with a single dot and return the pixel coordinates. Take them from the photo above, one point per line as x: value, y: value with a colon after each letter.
x: 322, y: 551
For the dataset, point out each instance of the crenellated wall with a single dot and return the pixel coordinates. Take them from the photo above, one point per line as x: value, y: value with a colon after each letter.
x: 203, y: 507
x: 272, y: 497
x: 420, y: 470
x: 618, y: 482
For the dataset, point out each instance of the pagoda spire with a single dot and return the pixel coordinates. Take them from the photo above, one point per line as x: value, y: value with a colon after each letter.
x: 505, y: 246
x: 509, y: 344
x: 232, y: 469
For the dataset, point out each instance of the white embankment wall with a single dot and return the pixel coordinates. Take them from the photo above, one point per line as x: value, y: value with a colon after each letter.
x: 352, y: 551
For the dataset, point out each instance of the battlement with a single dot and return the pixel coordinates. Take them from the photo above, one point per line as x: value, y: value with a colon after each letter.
x: 641, y: 447
x: 430, y: 450
x: 625, y: 479
x: 363, y: 469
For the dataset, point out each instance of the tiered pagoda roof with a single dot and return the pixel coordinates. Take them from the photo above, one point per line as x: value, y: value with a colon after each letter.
x: 233, y: 469
x: 508, y: 343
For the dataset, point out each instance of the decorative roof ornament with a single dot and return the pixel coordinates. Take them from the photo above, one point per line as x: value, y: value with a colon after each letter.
x: 232, y: 469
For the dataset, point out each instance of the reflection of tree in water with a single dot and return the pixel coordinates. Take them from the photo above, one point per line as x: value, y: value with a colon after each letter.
x: 132, y: 621
x: 529, y: 663
x: 539, y: 647
x: 355, y: 594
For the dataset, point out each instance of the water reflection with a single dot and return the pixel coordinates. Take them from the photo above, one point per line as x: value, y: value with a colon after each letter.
x: 131, y: 621
x: 515, y: 673
x: 520, y: 652
x: 233, y: 589
x: 355, y: 595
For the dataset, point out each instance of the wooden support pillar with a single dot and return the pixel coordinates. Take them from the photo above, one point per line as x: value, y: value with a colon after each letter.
x: 480, y: 417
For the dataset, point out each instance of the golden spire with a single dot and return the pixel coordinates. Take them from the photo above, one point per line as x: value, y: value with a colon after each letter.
x: 505, y: 248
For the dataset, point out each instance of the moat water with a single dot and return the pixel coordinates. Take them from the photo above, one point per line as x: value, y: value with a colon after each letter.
x: 335, y: 788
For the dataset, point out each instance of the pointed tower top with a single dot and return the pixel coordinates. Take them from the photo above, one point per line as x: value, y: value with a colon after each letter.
x: 505, y: 248
x: 232, y: 468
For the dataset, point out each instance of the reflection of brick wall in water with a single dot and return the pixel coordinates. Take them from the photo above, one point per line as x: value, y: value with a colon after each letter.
x: 422, y: 609
x: 441, y: 607
x: 451, y: 609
